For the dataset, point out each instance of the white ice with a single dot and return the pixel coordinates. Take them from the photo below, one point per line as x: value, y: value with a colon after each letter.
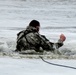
x: 11, y: 66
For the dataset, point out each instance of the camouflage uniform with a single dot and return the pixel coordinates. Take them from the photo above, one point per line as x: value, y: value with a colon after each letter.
x: 30, y: 39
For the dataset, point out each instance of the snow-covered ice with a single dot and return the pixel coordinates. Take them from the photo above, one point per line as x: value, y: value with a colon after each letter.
x: 10, y: 66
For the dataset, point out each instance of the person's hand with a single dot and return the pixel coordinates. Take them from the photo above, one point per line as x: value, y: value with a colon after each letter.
x: 62, y: 37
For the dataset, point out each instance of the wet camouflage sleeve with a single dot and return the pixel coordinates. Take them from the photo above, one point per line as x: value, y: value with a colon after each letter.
x: 51, y: 45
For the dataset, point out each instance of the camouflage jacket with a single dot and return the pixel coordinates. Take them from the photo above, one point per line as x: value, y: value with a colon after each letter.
x: 31, y: 39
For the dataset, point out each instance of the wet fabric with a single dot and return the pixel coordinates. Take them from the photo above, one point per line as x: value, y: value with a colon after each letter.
x: 31, y: 39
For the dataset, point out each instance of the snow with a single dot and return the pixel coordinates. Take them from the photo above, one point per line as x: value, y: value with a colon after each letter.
x: 11, y: 66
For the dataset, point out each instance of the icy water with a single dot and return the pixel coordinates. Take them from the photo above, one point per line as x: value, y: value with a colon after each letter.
x: 55, y: 16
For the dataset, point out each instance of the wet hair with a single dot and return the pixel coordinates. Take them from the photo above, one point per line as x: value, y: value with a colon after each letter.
x: 34, y: 23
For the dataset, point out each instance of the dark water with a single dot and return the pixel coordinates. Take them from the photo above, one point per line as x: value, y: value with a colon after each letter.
x: 55, y: 16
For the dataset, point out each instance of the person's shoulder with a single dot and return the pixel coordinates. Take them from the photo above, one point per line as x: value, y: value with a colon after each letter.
x: 20, y: 32
x: 43, y: 36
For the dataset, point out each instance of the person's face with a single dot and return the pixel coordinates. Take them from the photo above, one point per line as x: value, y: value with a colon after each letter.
x: 38, y: 28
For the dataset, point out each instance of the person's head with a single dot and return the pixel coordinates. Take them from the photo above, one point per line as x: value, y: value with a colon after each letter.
x: 35, y: 23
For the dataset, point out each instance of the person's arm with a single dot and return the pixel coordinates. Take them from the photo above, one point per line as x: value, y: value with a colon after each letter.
x: 60, y: 42
x: 47, y: 45
x: 20, y: 35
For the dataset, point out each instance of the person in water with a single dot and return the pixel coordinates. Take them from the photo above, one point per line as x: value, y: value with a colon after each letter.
x: 31, y: 39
